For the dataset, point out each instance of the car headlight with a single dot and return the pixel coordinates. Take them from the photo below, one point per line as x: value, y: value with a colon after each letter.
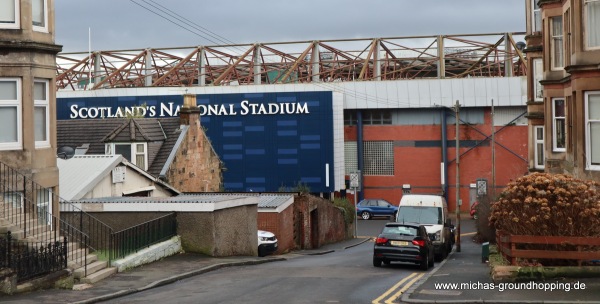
x: 438, y: 235
x: 263, y: 239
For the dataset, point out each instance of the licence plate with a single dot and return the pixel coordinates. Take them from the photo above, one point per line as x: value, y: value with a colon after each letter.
x: 399, y: 243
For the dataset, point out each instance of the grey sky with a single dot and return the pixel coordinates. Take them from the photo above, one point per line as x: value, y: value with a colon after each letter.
x: 123, y: 24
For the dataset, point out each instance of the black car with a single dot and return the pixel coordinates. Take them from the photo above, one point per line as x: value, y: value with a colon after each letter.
x: 403, y: 242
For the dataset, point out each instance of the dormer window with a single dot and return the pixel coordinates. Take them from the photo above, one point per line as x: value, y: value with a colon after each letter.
x: 135, y: 153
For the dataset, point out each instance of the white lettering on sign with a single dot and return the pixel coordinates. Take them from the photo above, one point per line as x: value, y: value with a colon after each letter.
x: 169, y: 109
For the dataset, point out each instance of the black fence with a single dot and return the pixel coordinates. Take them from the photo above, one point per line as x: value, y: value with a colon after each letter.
x: 142, y: 236
x: 27, y: 205
x: 32, y: 259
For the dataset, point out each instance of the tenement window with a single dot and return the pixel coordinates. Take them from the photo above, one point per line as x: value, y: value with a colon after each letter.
x: 556, y: 44
x: 536, y: 22
x: 39, y: 15
x: 592, y: 130
x: 538, y: 74
x: 558, y: 125
x: 10, y: 114
x: 40, y: 113
x: 592, y: 23
x: 9, y: 14
x: 538, y: 132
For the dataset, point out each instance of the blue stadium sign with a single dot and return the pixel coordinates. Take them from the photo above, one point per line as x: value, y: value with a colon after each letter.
x: 267, y: 141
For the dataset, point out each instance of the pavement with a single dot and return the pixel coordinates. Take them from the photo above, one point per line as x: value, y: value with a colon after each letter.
x: 460, y: 267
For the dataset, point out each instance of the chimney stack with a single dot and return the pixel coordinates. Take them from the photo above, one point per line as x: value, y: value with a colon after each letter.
x: 189, y: 113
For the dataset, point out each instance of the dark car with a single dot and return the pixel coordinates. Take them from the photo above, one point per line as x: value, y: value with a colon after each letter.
x: 368, y: 208
x: 403, y: 242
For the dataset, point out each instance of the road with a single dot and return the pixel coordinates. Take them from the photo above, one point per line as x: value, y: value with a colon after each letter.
x: 346, y: 276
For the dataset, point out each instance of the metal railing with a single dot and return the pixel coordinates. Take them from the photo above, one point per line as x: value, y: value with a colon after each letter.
x: 26, y: 205
x: 142, y: 236
x: 32, y: 259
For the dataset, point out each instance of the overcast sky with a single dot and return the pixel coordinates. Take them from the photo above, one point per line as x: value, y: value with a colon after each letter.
x: 128, y: 24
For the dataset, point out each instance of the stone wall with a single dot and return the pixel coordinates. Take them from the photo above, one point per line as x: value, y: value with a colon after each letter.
x: 223, y: 232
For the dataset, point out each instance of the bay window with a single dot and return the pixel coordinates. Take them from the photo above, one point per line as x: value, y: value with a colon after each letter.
x: 40, y: 113
x: 538, y: 147
x: 556, y: 43
x: 39, y: 15
x: 9, y: 14
x: 536, y: 21
x: 591, y: 13
x: 559, y: 125
x: 10, y: 114
x: 592, y: 130
x: 538, y: 74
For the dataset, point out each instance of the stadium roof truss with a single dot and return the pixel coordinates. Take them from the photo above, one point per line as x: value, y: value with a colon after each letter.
x: 447, y: 56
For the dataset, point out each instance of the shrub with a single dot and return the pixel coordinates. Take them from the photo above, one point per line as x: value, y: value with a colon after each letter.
x: 349, y: 210
x: 485, y: 231
x: 547, y: 204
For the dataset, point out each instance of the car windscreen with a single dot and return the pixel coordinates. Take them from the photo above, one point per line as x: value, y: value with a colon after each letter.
x: 421, y: 215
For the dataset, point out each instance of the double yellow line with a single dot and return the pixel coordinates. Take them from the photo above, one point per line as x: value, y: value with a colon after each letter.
x: 413, y: 277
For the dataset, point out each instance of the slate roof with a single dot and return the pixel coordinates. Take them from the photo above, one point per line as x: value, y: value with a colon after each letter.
x: 160, y: 133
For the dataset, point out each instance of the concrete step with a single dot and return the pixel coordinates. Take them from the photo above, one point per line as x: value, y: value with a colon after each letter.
x: 76, y: 258
x: 91, y: 268
x: 100, y: 275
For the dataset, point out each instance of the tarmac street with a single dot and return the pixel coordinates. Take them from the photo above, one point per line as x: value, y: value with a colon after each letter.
x: 460, y: 278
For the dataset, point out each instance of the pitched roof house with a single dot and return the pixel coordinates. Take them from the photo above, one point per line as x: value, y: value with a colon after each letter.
x: 173, y: 149
x: 107, y: 176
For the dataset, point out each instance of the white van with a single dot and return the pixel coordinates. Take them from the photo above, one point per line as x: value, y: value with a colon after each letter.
x: 430, y: 211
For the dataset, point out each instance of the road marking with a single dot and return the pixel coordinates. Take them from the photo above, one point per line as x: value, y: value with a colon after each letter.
x: 397, y: 295
x: 376, y: 301
x: 468, y: 233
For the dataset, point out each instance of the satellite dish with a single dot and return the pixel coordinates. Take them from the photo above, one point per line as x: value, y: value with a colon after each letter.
x: 65, y: 152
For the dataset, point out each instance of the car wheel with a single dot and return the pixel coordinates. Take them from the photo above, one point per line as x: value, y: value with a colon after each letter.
x: 261, y: 252
x: 365, y: 215
x: 425, y: 263
x: 431, y: 261
x: 376, y: 262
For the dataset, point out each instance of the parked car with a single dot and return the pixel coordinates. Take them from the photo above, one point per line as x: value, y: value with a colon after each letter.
x: 368, y: 208
x: 267, y: 243
x: 403, y: 242
x: 473, y: 211
x: 430, y: 211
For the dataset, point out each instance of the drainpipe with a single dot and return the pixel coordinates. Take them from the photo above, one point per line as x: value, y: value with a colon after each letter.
x: 444, y: 151
x: 359, y: 148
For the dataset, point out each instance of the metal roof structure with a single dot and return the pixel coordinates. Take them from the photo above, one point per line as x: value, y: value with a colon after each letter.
x: 321, y: 62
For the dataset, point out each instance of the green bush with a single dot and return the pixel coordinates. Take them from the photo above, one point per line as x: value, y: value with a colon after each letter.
x: 349, y: 210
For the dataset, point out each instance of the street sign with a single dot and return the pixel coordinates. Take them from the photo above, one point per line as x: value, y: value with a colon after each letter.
x: 354, y: 180
x: 481, y: 187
